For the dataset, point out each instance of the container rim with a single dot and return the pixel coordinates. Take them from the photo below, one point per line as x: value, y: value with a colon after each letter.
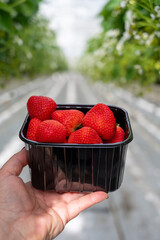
x: 75, y: 145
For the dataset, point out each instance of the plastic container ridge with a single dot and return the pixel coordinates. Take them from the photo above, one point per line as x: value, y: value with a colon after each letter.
x: 78, y: 167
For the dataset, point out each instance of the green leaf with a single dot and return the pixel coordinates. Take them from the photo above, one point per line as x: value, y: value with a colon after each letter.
x: 156, y: 2
x: 145, y: 7
x: 18, y: 2
x: 5, y: 22
x: 144, y: 2
x: 145, y: 24
x: 109, y: 7
x: 5, y: 7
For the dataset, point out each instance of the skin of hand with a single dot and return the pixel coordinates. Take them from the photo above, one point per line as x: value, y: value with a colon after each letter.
x: 31, y: 214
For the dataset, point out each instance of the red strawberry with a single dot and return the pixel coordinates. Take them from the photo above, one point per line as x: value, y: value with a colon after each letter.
x: 101, y: 118
x: 84, y: 135
x: 41, y: 107
x: 51, y: 131
x: 71, y: 119
x: 32, y: 128
x: 118, y: 137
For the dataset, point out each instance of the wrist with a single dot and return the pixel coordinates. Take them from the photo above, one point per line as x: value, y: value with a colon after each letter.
x: 4, y: 229
x: 8, y: 232
x: 20, y: 231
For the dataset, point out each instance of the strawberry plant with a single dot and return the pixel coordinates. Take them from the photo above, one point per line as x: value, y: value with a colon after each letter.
x: 27, y: 44
x: 128, y: 49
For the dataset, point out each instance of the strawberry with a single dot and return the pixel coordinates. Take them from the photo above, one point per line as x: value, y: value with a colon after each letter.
x: 41, y: 107
x: 84, y: 135
x: 71, y: 119
x: 51, y: 131
x: 66, y: 141
x: 118, y: 137
x: 101, y: 118
x: 32, y: 128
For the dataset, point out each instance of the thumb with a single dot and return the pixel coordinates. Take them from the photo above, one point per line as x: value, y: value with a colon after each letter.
x: 15, y: 164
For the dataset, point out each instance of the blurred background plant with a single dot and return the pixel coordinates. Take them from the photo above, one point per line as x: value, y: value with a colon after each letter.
x: 27, y: 45
x: 127, y: 51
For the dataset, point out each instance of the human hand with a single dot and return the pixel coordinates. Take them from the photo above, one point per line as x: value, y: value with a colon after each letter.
x: 28, y: 213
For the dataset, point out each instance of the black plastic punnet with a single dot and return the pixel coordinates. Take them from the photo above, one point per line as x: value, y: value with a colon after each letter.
x: 78, y: 167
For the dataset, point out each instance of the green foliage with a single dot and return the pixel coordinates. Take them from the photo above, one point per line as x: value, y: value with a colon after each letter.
x: 113, y: 16
x: 126, y: 54
x: 16, y: 12
x: 27, y: 44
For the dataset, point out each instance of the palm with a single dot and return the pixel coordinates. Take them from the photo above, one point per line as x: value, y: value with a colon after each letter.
x: 45, y: 213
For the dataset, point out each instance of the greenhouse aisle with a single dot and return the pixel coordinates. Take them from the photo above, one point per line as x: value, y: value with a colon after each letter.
x: 133, y: 211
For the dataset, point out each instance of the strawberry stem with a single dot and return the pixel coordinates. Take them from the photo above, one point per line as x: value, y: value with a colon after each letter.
x: 77, y: 127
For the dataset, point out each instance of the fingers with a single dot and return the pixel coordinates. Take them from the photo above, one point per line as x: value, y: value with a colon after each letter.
x: 84, y: 202
x: 16, y: 163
